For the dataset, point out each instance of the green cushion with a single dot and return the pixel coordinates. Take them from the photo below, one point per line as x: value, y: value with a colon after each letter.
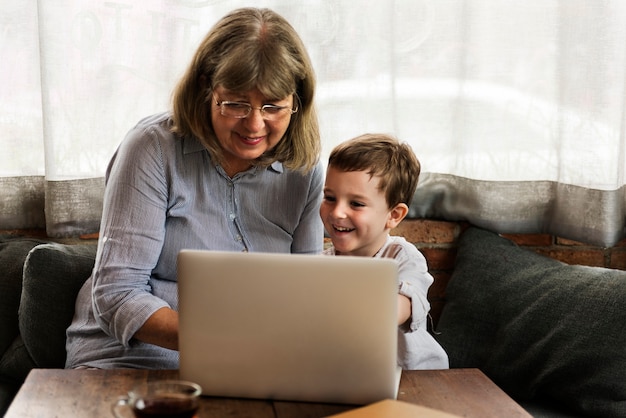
x: 537, y: 327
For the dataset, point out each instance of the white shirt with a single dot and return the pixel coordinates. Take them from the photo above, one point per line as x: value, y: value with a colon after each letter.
x: 417, y: 349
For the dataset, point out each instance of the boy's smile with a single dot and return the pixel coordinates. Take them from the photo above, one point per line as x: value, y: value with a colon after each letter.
x: 354, y: 212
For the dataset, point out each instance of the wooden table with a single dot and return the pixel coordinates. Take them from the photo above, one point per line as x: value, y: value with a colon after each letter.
x: 90, y: 393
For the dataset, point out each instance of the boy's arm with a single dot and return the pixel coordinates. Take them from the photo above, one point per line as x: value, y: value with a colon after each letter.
x: 404, y: 309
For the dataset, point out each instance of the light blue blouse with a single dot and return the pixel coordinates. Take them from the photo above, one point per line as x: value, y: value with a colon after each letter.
x: 164, y: 194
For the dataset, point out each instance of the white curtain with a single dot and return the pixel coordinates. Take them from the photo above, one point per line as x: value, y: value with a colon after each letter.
x: 517, y: 110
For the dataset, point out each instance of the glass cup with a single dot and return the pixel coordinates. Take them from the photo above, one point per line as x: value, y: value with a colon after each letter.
x: 160, y: 398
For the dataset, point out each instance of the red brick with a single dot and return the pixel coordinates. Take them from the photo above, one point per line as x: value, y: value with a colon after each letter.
x: 621, y: 243
x: 427, y: 231
x: 439, y: 258
x: 535, y: 240
x: 437, y: 290
x: 587, y: 257
x: 30, y: 233
x: 618, y: 258
x: 565, y: 241
x: 93, y: 236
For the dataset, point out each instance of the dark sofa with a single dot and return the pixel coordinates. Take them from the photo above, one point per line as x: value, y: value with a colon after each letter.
x: 39, y: 281
x: 553, y: 336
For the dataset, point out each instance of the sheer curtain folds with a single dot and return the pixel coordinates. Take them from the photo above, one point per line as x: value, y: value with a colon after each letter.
x: 516, y: 109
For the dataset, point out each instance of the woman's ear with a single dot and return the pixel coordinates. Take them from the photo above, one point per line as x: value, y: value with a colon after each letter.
x: 396, y: 215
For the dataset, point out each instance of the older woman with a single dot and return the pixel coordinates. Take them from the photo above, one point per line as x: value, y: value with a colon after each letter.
x: 234, y: 166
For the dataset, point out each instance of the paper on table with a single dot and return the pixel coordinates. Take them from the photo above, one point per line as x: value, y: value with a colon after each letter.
x: 395, y: 409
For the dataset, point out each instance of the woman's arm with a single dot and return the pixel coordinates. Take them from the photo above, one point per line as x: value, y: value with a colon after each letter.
x: 160, y: 329
x: 131, y: 241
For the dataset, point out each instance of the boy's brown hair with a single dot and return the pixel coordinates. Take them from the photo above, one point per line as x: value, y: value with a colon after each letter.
x: 383, y: 156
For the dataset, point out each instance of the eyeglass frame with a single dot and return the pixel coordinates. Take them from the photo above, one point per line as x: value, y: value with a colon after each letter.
x: 260, y: 108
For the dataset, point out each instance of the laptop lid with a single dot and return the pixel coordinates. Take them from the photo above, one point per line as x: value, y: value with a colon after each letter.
x: 287, y: 326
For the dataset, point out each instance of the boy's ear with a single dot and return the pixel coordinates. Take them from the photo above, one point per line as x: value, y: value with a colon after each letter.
x: 397, y: 214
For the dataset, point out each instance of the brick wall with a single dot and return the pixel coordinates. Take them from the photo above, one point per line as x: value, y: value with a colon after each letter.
x: 437, y: 240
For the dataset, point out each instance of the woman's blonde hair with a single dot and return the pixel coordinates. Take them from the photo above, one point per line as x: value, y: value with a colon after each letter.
x: 248, y: 49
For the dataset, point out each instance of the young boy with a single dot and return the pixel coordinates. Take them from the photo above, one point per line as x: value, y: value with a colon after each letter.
x: 370, y: 181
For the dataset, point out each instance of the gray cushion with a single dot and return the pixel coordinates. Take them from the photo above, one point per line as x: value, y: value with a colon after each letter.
x: 16, y: 362
x: 537, y: 327
x: 13, y: 252
x: 53, y: 275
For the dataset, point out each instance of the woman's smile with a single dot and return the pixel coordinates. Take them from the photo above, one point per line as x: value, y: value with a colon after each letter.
x: 252, y: 140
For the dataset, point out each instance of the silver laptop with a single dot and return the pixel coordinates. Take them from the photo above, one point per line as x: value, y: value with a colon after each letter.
x: 289, y: 327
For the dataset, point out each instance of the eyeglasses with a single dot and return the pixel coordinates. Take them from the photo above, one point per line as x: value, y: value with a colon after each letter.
x: 242, y: 110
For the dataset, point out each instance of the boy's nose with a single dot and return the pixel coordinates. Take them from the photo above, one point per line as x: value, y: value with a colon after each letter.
x: 338, y: 211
